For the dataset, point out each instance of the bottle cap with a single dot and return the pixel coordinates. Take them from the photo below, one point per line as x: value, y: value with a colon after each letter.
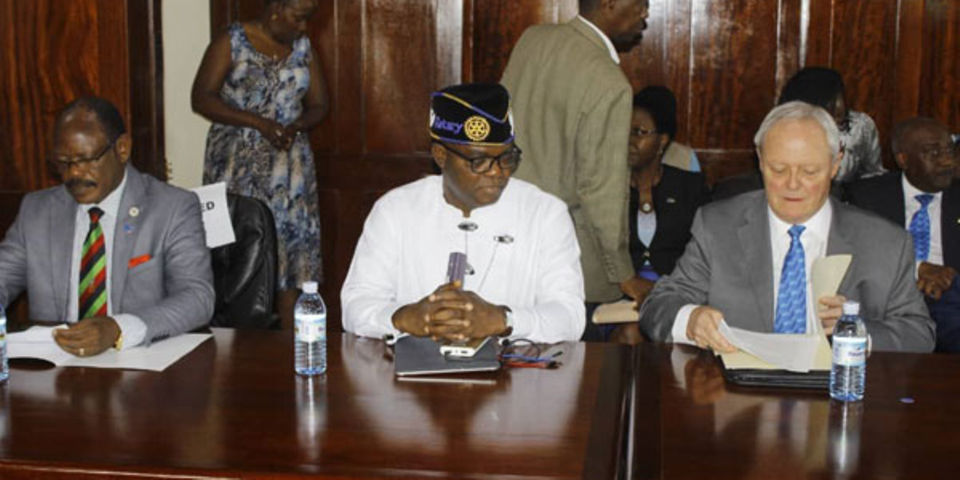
x: 851, y: 307
x: 309, y: 287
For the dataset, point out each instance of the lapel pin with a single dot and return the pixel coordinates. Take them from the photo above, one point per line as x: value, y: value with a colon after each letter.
x: 127, y: 228
x: 134, y: 211
x: 671, y: 200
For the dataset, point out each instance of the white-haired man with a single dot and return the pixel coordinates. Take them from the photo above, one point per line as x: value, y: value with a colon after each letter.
x: 750, y: 257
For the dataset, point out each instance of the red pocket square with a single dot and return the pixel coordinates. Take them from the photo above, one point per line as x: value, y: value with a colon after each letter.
x: 138, y: 260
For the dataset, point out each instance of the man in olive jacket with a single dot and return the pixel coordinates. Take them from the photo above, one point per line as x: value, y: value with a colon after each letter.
x: 572, y: 108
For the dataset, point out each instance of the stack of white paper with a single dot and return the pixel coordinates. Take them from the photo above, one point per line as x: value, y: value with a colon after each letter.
x: 37, y: 342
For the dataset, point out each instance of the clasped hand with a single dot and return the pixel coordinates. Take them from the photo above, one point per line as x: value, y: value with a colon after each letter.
x: 934, y: 279
x: 451, y: 314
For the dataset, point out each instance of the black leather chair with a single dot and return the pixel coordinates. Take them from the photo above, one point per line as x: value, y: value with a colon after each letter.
x: 245, y: 272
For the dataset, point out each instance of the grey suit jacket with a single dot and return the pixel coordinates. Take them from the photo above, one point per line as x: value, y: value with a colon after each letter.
x: 571, y: 108
x: 172, y: 292
x: 727, y: 265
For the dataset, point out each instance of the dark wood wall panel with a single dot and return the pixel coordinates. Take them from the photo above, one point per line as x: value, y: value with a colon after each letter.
x: 941, y: 62
x: 399, y: 72
x: 55, y: 52
x: 863, y: 38
x: 732, y: 82
x: 495, y: 26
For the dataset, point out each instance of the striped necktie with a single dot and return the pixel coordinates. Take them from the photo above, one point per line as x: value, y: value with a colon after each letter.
x: 92, y: 294
x: 791, y: 315
x: 920, y: 228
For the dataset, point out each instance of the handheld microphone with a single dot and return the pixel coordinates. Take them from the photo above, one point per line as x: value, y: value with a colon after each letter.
x: 456, y: 267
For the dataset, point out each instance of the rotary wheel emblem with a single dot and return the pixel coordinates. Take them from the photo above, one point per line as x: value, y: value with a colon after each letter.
x: 477, y: 128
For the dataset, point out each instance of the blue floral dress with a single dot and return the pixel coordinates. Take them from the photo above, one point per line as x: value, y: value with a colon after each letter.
x: 251, y: 166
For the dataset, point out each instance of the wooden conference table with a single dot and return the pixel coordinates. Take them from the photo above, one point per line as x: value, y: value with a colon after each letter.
x: 232, y: 408
x: 908, y: 425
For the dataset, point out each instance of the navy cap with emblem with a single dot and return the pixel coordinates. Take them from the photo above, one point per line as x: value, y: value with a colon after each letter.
x: 472, y: 113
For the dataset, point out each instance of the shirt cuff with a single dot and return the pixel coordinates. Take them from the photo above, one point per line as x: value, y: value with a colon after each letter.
x: 679, y: 331
x: 916, y: 270
x: 132, y: 329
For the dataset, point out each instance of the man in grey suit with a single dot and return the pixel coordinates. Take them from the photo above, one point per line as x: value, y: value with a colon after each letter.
x: 572, y: 105
x: 749, y: 261
x: 115, y: 253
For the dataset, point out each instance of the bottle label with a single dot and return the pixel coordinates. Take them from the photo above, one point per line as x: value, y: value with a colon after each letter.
x: 850, y: 351
x: 311, y: 328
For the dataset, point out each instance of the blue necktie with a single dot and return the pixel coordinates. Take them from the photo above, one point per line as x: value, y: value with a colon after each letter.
x: 792, y: 297
x: 920, y: 228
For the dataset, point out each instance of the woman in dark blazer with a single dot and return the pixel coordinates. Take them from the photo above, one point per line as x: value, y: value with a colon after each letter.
x: 663, y: 199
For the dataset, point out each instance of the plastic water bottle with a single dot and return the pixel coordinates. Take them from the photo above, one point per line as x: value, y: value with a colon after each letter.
x: 310, y: 332
x: 4, y: 368
x: 848, y: 375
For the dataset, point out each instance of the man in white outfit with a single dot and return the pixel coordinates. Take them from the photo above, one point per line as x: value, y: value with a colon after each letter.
x: 524, y: 278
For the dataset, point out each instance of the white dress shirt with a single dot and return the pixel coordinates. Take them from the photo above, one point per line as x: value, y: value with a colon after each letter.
x: 606, y: 40
x: 814, y: 240
x: 131, y: 327
x: 911, y: 205
x: 646, y: 227
x: 523, y: 252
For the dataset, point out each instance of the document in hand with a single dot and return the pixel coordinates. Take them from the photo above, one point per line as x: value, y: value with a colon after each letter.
x: 797, y: 353
x: 37, y: 342
x: 771, y: 351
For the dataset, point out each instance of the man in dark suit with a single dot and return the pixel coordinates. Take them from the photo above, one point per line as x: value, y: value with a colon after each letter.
x: 925, y: 199
x: 750, y: 257
x: 115, y: 253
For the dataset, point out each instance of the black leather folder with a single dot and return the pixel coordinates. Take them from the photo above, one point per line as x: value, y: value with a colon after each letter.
x: 749, y: 377
x: 421, y: 356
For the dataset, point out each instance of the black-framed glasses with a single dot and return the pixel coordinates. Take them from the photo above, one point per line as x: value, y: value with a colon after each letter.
x: 508, y: 160
x: 63, y: 166
x: 936, y: 151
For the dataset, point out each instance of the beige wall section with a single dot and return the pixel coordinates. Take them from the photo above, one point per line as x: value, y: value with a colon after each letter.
x: 186, y: 33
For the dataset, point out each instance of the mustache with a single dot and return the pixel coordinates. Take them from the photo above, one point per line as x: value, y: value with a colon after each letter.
x: 79, y: 182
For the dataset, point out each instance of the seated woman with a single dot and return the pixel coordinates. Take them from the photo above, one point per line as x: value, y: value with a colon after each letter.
x: 824, y: 88
x: 663, y: 199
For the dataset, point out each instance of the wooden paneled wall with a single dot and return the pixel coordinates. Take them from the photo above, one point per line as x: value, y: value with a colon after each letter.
x: 726, y: 61
x: 54, y: 51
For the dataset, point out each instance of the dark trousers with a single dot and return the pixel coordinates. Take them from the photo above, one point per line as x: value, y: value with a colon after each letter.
x: 946, y: 314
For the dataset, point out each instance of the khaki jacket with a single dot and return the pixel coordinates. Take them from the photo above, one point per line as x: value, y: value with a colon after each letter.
x: 572, y: 106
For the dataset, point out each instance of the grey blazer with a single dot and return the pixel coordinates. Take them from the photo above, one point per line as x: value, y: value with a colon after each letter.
x: 727, y: 265
x: 172, y: 292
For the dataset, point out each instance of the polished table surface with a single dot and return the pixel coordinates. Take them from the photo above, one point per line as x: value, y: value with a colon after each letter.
x: 234, y: 408
x: 691, y: 425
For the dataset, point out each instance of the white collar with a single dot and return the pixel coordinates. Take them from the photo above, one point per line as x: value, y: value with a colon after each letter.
x: 818, y: 224
x: 606, y: 40
x: 111, y: 203
x: 910, y: 192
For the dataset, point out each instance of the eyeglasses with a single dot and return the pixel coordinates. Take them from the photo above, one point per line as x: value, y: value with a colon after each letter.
x: 507, y: 161
x: 937, y: 151
x: 63, y: 166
